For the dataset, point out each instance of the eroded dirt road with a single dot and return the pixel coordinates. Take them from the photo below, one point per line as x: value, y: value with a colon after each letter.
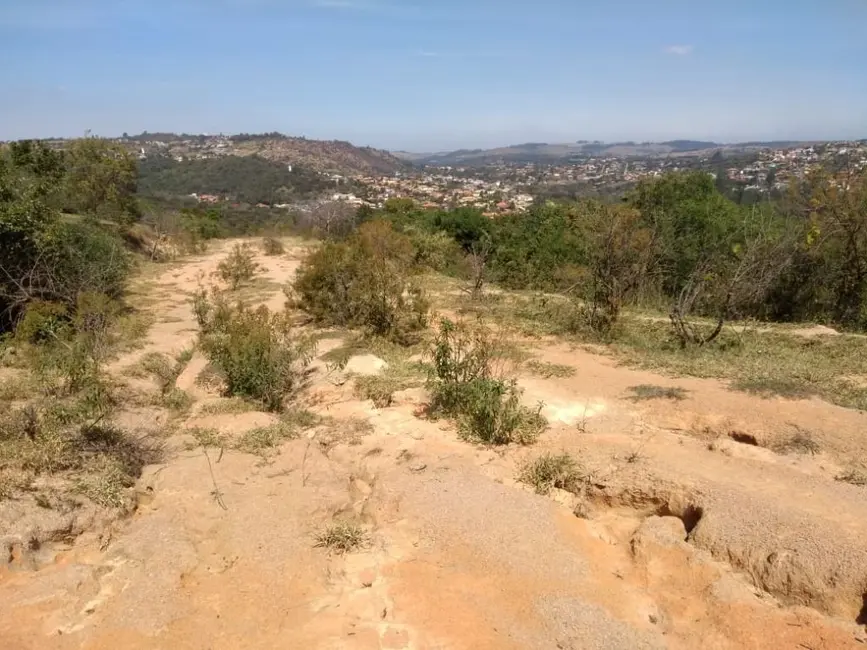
x: 686, y: 539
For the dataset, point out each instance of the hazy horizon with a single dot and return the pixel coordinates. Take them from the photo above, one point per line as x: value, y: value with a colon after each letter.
x: 436, y: 76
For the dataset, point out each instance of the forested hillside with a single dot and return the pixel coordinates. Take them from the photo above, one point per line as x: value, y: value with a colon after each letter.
x: 247, y: 179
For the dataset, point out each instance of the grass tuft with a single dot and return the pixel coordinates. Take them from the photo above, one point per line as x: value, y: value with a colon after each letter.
x: 549, y: 370
x: 800, y: 442
x: 342, y: 538
x: 550, y: 471
x: 855, y: 476
x: 650, y: 391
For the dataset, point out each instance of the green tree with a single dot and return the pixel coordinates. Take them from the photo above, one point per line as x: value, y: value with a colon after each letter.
x: 101, y: 180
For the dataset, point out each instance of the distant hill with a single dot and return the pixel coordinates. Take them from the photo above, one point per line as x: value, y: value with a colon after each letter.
x: 536, y: 152
x: 334, y: 156
x: 248, y: 179
x: 690, y: 145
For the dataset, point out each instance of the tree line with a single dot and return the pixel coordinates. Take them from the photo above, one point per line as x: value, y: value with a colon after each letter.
x: 675, y: 242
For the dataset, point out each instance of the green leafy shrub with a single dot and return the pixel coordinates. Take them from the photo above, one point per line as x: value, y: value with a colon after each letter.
x: 42, y: 321
x: 238, y: 267
x: 256, y: 351
x: 467, y: 383
x: 436, y: 251
x: 492, y: 413
x: 364, y: 282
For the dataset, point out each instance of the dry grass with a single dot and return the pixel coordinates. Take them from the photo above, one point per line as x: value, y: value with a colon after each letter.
x: 380, y: 389
x: 855, y: 476
x: 228, y: 406
x: 550, y: 471
x: 771, y: 361
x: 800, y: 442
x: 549, y: 370
x: 342, y: 538
x: 650, y: 391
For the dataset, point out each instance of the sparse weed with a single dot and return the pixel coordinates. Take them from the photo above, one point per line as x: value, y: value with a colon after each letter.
x: 208, y: 437
x: 177, y: 400
x: 232, y: 405
x: 166, y: 372
x: 773, y: 387
x: 261, y: 440
x: 551, y: 470
x: 549, y: 370
x: 800, y: 442
x: 342, y: 538
x: 338, y: 432
x: 300, y: 418
x: 645, y: 392
x: 380, y: 389
x: 855, y: 476
x: 55, y: 438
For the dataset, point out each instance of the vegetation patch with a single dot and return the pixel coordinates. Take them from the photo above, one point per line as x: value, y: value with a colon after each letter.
x: 551, y: 470
x: 466, y: 383
x: 342, y: 538
x: 258, y: 353
x: 239, y: 267
x: 364, y: 282
x: 549, y: 370
x: 855, y: 476
x: 228, y: 406
x: 261, y: 440
x: 272, y: 246
x: 645, y: 392
x: 800, y: 442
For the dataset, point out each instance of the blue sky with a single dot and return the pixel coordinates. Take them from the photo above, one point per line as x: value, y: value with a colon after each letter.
x: 436, y: 75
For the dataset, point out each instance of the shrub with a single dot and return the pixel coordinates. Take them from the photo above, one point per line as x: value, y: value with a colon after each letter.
x: 467, y: 383
x: 238, y: 267
x: 363, y: 282
x: 71, y: 362
x: 42, y: 321
x: 549, y: 471
x: 436, y: 251
x: 492, y: 413
x: 461, y: 354
x: 256, y: 351
x: 273, y: 246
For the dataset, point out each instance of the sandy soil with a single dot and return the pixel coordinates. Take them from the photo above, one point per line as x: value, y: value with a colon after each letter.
x: 686, y: 538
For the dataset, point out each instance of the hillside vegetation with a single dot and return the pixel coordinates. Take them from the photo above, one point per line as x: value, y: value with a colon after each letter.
x: 248, y: 179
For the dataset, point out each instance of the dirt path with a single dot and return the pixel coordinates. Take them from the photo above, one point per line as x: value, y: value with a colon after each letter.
x: 686, y: 538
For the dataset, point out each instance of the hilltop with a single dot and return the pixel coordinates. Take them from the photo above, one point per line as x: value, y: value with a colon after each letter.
x: 326, y: 156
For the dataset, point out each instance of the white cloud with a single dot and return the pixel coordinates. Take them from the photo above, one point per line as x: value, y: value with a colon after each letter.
x: 679, y: 50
